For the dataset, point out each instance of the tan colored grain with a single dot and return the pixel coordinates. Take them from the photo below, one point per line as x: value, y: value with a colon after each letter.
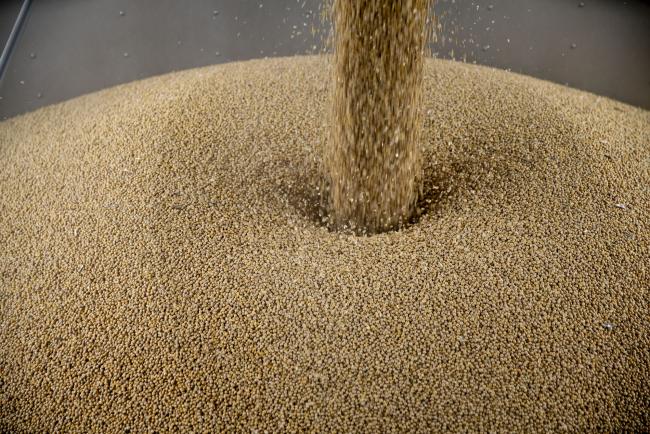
x: 372, y: 161
x: 163, y: 268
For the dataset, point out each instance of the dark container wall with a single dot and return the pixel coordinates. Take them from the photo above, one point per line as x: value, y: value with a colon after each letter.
x: 71, y: 47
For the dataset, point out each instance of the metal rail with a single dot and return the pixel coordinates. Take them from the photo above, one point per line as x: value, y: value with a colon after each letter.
x: 11, y: 41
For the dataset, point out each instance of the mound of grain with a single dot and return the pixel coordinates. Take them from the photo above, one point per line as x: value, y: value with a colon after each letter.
x: 163, y: 265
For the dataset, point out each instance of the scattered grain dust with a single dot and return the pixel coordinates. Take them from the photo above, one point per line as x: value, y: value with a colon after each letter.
x: 163, y: 267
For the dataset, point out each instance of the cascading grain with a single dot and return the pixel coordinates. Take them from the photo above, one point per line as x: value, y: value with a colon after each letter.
x: 372, y: 160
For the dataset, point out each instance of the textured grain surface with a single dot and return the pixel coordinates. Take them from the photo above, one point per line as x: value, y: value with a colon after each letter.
x: 162, y: 265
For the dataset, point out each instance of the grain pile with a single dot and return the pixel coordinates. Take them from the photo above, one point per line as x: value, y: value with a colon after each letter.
x: 163, y: 266
x: 372, y: 159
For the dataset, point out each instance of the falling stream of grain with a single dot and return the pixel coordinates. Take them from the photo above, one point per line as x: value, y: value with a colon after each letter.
x: 372, y: 160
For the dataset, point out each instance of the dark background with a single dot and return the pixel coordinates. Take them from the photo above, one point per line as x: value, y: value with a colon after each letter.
x: 71, y: 47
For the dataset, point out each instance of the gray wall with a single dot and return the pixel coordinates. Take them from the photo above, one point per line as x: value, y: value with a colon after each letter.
x: 84, y: 45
